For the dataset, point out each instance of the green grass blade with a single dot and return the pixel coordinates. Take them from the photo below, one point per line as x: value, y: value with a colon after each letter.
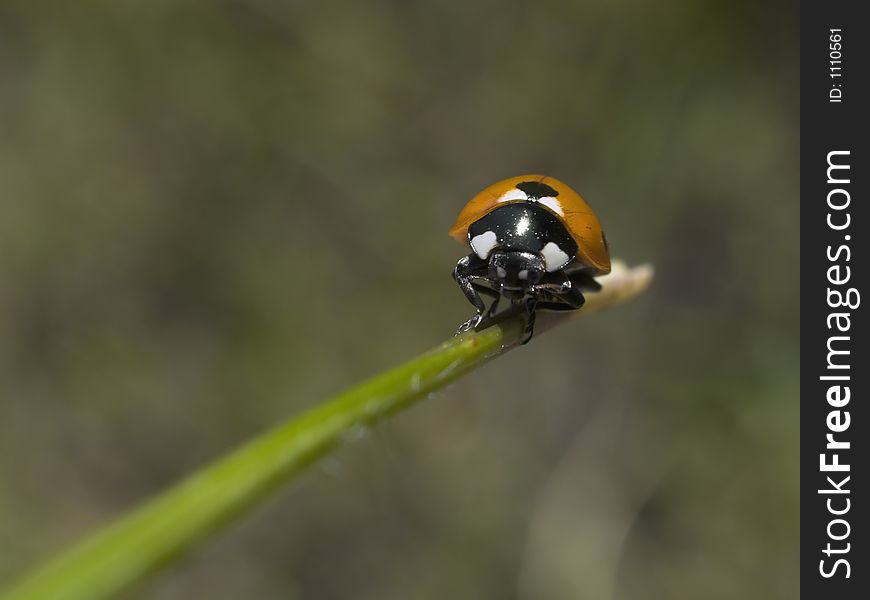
x: 140, y: 542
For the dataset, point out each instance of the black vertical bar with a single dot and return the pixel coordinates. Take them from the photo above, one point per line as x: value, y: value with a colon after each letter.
x: 835, y: 109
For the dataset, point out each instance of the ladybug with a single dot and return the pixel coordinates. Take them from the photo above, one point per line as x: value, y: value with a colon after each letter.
x: 533, y: 240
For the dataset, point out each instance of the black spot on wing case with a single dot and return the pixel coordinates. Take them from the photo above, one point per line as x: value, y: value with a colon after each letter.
x: 536, y: 189
x: 524, y: 226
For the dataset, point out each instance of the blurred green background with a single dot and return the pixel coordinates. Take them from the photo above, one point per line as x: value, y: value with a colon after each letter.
x: 214, y: 215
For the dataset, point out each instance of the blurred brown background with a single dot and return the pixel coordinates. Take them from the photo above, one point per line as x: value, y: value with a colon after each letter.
x: 214, y: 215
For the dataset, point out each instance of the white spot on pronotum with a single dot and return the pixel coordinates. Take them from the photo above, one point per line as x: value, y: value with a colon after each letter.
x: 484, y: 243
x: 554, y: 257
x: 552, y: 204
x: 523, y: 274
x: 513, y: 194
x: 501, y: 272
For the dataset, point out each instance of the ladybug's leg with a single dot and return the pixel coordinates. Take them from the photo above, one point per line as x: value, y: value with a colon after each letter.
x: 584, y: 282
x: 494, y: 294
x: 531, y: 302
x: 467, y: 268
x: 560, y: 292
x: 482, y: 288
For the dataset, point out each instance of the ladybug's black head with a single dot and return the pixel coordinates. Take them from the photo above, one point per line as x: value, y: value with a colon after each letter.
x: 514, y: 271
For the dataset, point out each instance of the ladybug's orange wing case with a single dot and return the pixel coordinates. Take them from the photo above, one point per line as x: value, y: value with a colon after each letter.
x: 578, y: 217
x: 583, y: 226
